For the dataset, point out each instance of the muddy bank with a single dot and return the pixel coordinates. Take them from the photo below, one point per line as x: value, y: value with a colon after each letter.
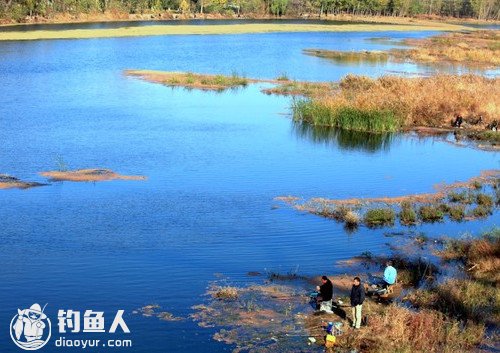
x: 83, y: 175
x: 10, y: 182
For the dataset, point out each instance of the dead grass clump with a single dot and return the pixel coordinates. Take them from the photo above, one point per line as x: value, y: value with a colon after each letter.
x: 396, y: 329
x: 82, y: 175
x: 225, y: 293
x: 481, y: 256
x: 476, y: 48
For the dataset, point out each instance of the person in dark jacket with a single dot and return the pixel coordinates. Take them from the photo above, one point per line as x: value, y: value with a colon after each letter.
x: 357, y: 299
x: 324, y: 299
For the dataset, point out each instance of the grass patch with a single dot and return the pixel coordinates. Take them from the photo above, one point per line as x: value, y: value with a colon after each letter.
x: 464, y: 197
x: 350, y: 57
x: 457, y: 212
x: 192, y: 80
x: 484, y: 200
x: 376, y: 217
x: 431, y: 213
x: 407, y: 215
x: 481, y: 211
x: 321, y: 114
x: 159, y: 30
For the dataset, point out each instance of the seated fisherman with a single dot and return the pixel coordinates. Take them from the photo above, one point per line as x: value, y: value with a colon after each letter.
x: 390, y: 274
x: 324, y: 299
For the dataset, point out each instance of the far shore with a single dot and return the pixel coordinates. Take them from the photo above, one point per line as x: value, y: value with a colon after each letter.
x: 108, y: 17
x: 244, y: 28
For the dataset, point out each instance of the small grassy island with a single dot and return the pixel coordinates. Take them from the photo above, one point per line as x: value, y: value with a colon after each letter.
x: 191, y: 80
x: 82, y: 175
x: 480, y: 49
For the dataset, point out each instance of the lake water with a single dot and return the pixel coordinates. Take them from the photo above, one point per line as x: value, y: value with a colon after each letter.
x: 214, y: 162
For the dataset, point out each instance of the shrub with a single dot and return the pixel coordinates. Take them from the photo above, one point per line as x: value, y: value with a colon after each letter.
x: 484, y: 200
x: 462, y: 197
x: 379, y: 217
x: 431, y: 213
x: 457, y: 212
x: 481, y: 211
x: 407, y: 215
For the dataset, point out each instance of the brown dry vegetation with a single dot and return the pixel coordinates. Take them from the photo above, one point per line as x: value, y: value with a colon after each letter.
x: 88, y: 175
x: 412, y: 102
x: 476, y: 48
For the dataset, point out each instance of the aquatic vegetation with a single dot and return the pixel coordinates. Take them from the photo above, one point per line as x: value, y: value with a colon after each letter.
x: 10, y: 182
x: 457, y: 212
x: 484, y: 200
x: 191, y: 80
x: 464, y: 197
x: 480, y: 211
x: 473, y: 48
x: 321, y: 113
x: 432, y: 207
x: 263, y: 317
x: 480, y: 256
x: 431, y: 213
x: 407, y: 215
x: 379, y: 217
x: 158, y: 30
x: 151, y: 310
x: 392, y: 103
x: 224, y: 292
x: 298, y: 88
x: 82, y: 175
x: 350, y: 57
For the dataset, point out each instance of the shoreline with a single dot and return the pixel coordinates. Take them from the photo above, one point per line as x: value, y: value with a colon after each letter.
x: 228, y: 29
x: 65, y: 18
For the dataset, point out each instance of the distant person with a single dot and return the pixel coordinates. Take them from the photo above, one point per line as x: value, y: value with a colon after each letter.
x: 357, y: 299
x: 390, y: 274
x: 324, y: 299
x: 458, y: 121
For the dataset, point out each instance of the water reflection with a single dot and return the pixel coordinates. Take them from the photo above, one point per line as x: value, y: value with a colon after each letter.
x: 344, y: 139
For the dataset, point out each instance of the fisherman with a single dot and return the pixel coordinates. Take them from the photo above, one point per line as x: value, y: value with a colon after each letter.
x: 324, y: 299
x: 29, y: 323
x: 357, y: 299
x: 458, y: 121
x: 390, y: 274
x: 493, y: 126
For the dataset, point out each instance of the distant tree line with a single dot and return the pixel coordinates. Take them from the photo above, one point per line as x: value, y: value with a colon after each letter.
x: 481, y: 9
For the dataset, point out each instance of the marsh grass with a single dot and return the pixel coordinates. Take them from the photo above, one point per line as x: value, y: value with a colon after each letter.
x: 320, y: 113
x: 431, y: 213
x: 350, y: 57
x: 204, y: 82
x: 392, y: 103
x: 407, y: 214
x: 376, y: 217
x: 473, y: 48
x: 457, y: 212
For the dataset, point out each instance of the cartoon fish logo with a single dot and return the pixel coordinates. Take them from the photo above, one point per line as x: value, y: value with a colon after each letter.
x: 30, y: 329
